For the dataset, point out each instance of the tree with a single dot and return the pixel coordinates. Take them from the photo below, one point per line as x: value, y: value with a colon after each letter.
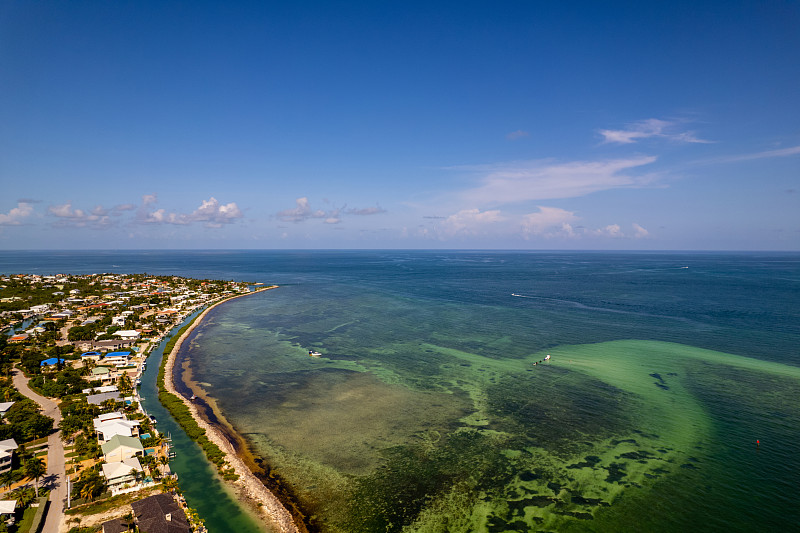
x: 91, y: 486
x: 34, y: 469
x: 6, y: 478
x: 23, y: 495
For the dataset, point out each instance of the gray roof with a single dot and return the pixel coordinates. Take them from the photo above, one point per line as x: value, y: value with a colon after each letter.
x: 114, y: 526
x: 151, y: 515
x: 97, y: 399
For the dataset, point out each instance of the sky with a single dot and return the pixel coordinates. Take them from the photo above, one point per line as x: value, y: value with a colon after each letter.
x: 412, y: 125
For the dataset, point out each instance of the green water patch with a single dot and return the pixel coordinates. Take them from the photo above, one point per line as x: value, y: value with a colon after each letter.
x: 422, y: 436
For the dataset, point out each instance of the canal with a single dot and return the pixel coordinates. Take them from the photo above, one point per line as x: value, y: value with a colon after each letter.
x: 201, y: 486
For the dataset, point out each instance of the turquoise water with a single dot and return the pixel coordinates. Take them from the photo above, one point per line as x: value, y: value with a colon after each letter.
x: 426, y: 413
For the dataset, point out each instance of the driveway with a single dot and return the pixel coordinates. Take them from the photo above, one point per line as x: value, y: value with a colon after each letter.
x: 54, y: 478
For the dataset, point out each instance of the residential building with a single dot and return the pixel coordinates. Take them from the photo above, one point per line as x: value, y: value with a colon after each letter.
x: 7, y: 448
x: 121, y: 447
x: 121, y: 476
x: 160, y: 514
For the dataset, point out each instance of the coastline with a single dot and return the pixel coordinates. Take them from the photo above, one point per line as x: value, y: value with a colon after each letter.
x: 248, y: 487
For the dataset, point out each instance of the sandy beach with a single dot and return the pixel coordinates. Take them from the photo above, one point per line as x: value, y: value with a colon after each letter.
x: 248, y: 487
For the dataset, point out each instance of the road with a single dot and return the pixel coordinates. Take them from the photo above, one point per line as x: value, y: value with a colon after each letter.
x: 55, y: 456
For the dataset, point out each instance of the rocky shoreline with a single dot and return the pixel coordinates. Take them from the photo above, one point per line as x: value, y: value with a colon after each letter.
x: 248, y: 487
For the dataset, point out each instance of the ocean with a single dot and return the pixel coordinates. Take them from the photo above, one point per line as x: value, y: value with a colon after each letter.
x: 670, y: 402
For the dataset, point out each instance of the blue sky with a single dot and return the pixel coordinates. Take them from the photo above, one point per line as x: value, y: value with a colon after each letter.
x: 520, y: 125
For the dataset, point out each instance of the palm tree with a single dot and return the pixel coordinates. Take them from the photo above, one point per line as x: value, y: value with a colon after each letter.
x: 24, y: 496
x: 34, y: 469
x: 92, y: 487
x: 6, y: 478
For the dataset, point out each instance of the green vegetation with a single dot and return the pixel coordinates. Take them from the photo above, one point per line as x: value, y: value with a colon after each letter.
x: 180, y: 412
x: 34, y: 469
x: 23, y: 422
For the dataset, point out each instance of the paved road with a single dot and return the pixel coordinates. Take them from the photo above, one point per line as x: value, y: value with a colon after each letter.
x: 55, y: 456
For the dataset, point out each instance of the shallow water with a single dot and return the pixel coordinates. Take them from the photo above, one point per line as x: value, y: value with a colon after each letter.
x: 197, y: 478
x: 426, y: 412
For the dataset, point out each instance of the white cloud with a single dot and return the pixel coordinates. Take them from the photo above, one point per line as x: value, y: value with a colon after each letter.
x: 300, y: 213
x: 783, y: 152
x: 97, y: 218
x: 160, y: 216
x: 549, y: 222
x: 211, y: 213
x: 639, y: 232
x: 538, y: 180
x: 117, y: 210
x: 471, y: 222
x: 17, y: 215
x: 645, y: 129
x: 214, y: 214
x: 612, y: 230
x: 303, y: 212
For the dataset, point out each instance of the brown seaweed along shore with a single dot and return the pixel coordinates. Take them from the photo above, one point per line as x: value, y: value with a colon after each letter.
x: 249, y: 489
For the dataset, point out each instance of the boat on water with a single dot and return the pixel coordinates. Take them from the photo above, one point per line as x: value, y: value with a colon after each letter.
x: 547, y: 357
x: 312, y: 353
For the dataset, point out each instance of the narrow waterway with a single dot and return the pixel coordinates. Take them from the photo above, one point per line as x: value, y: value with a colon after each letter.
x: 201, y: 486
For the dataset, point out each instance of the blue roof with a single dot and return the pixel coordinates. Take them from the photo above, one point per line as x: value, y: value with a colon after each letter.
x: 89, y: 354
x: 109, y: 354
x: 51, y: 361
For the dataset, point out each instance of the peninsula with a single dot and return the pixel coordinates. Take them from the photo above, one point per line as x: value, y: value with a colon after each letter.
x: 76, y: 346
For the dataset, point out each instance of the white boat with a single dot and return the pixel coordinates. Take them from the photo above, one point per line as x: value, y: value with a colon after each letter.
x: 547, y: 357
x: 312, y: 353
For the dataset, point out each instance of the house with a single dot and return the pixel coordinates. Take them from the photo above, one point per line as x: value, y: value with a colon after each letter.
x: 116, y: 415
x: 103, y: 373
x: 108, y: 429
x: 52, y: 362
x: 7, y: 508
x: 7, y: 448
x: 94, y: 356
x: 128, y: 334
x: 121, y: 475
x: 114, y: 526
x: 4, y: 407
x: 105, y: 345
x: 100, y: 390
x: 22, y: 337
x: 116, y: 358
x: 121, y: 447
x: 99, y: 398
x: 160, y: 514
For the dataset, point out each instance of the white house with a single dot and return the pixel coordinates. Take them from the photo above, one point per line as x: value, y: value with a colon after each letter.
x: 107, y: 430
x: 4, y: 407
x: 7, y: 448
x: 117, y: 358
x: 121, y: 475
x: 98, y: 390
